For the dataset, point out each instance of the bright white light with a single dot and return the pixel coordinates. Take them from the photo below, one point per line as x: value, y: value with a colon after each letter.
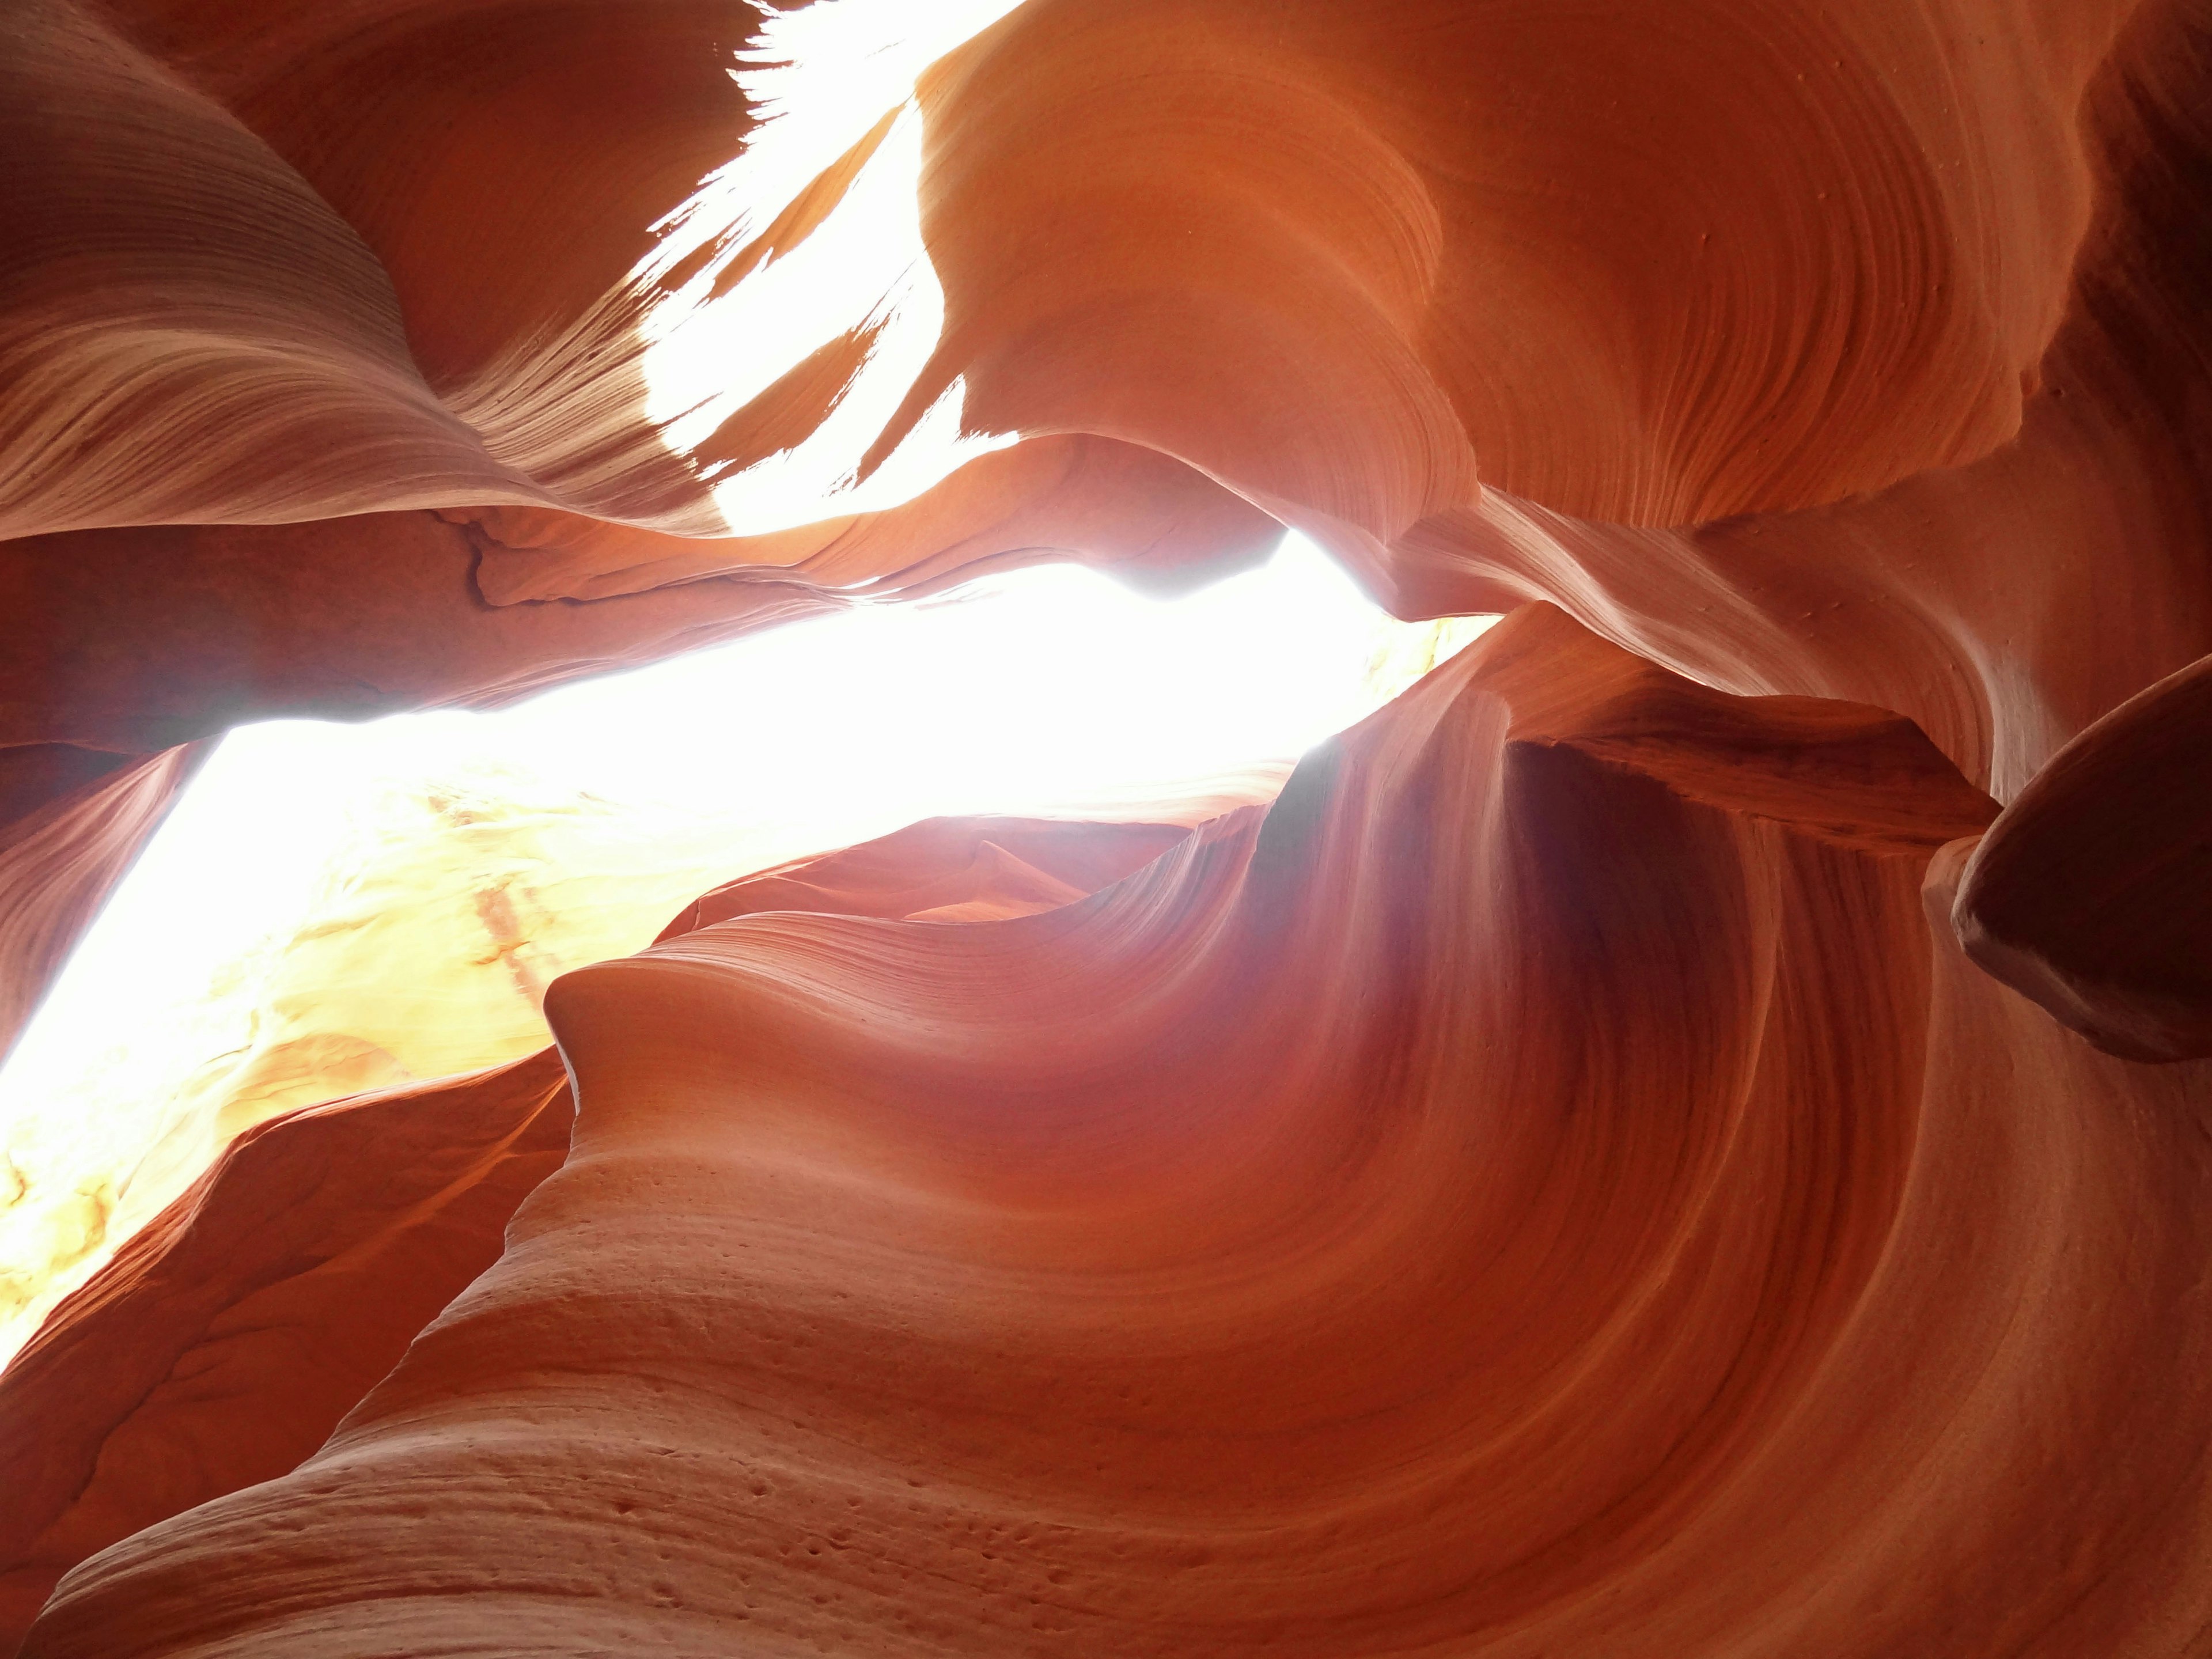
x: 332, y: 907
x: 819, y: 80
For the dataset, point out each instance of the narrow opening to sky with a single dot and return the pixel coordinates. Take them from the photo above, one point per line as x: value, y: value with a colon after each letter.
x: 332, y: 907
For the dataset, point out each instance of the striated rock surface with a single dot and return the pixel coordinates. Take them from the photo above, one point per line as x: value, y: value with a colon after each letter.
x: 1850, y: 382
x: 229, y: 1336
x: 1585, y: 1172
x: 1545, y: 1185
x: 974, y: 869
x: 1521, y: 285
x: 1525, y: 313
x: 1877, y: 375
x: 354, y: 349
x: 2004, y: 604
x: 1535, y: 242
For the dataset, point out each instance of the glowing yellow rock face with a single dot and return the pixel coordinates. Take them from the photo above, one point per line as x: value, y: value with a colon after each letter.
x: 434, y: 955
x: 426, y: 951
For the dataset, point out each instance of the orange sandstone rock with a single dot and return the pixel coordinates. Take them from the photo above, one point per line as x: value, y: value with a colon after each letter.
x: 233, y: 1334
x: 230, y: 1335
x: 1543, y: 1186
x: 946, y: 869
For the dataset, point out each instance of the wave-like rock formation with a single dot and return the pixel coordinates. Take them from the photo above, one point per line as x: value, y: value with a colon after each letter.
x: 487, y: 885
x: 231, y: 1335
x: 1511, y: 1196
x: 1601, y: 1165
x: 1805, y: 352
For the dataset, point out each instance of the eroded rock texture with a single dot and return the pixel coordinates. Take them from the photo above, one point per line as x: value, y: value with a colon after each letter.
x: 1341, y: 1236
x: 1858, y: 354
x: 74, y: 820
x: 1600, y: 1166
x: 232, y: 1333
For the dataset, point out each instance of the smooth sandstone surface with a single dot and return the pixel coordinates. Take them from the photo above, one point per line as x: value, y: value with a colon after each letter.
x: 1336, y: 1237
x: 231, y: 1335
x: 1870, y: 376
x: 1600, y: 1166
x: 221, y: 1345
x: 1856, y: 355
x: 2093, y: 893
x: 1528, y: 311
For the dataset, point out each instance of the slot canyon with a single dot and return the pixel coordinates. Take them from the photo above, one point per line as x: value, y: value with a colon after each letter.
x: 1686, y: 1132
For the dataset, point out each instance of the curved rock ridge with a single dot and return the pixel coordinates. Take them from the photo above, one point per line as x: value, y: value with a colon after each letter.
x: 485, y: 883
x: 1342, y: 259
x: 189, y: 331
x: 1545, y: 1185
x: 966, y: 869
x: 2093, y: 893
x: 274, y: 269
x: 272, y: 286
x: 283, y: 267
x: 1522, y: 313
x: 1147, y: 518
x: 225, y: 1340
x: 1585, y: 1171
x: 230, y: 1337
x: 2006, y: 604
x: 1948, y: 255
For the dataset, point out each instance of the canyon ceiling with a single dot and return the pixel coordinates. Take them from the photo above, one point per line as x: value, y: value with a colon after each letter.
x: 1687, y: 1132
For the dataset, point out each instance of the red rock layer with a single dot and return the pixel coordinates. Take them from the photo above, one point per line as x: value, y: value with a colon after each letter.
x: 1948, y: 254
x: 1644, y: 264
x: 273, y: 271
x: 230, y: 1337
x: 946, y: 869
x: 1150, y: 519
x: 1542, y: 1187
x: 259, y: 271
x: 2006, y: 604
x: 2093, y: 893
x: 383, y: 612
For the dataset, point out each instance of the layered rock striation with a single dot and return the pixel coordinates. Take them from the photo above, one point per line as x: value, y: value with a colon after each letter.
x: 1600, y: 1165
x: 232, y: 1332
x: 1549, y: 1182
